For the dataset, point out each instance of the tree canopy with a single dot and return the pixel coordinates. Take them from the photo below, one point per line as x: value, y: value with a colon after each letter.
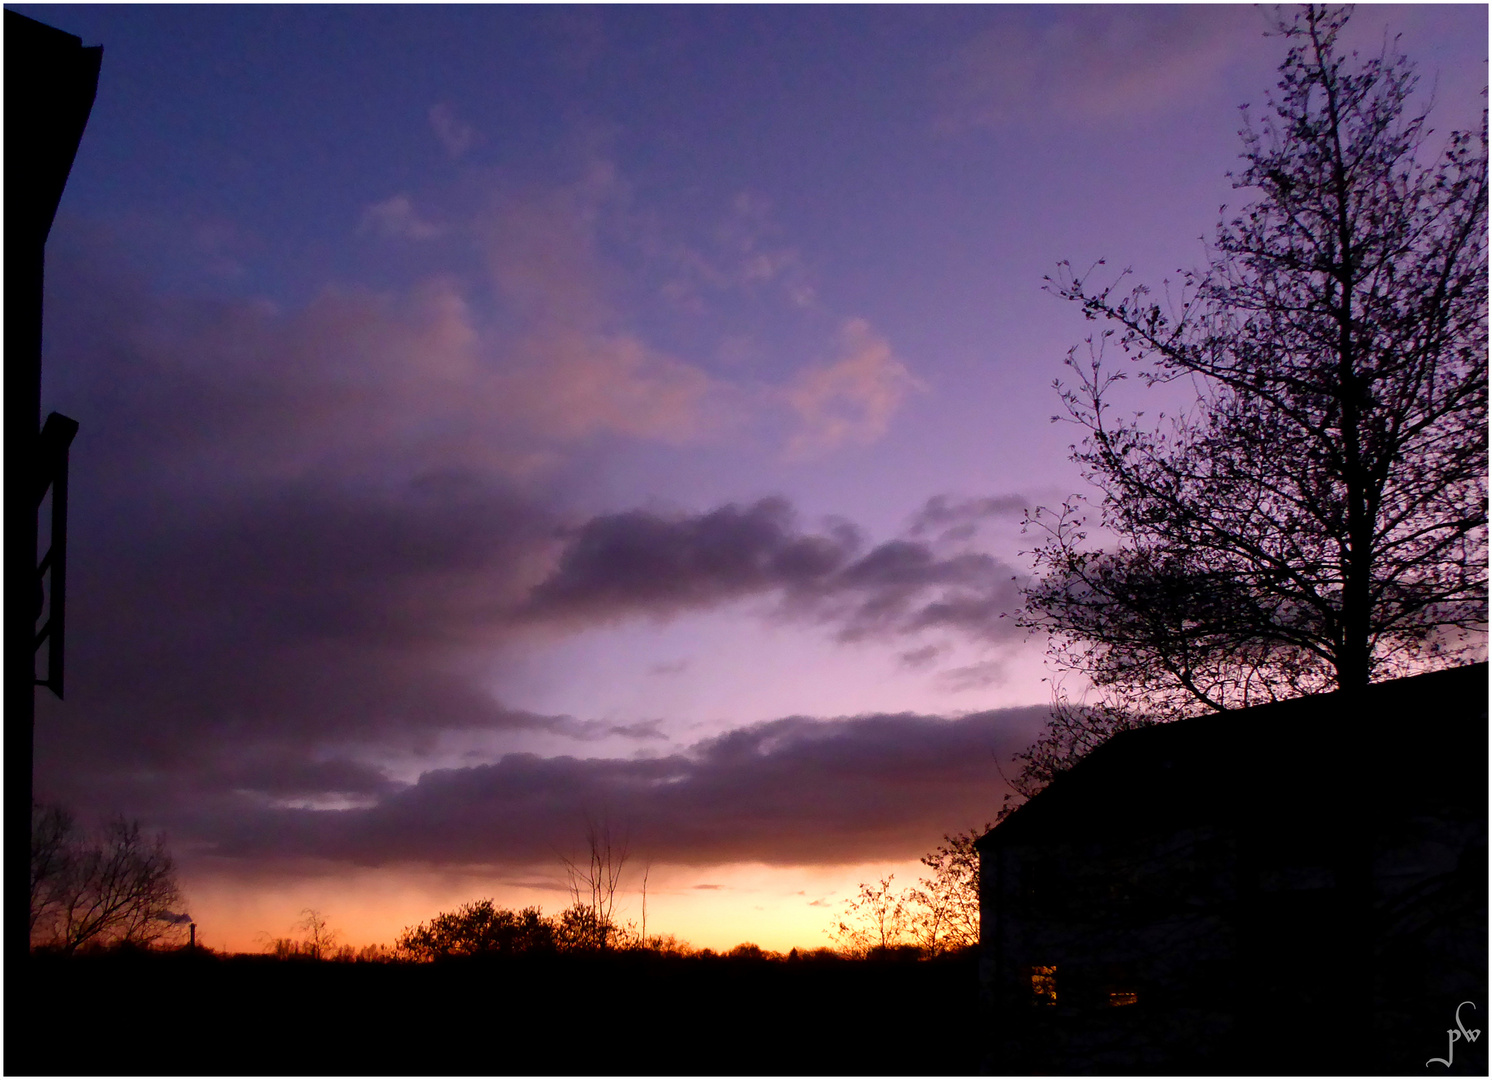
x: 479, y: 928
x: 114, y: 887
x: 939, y: 915
x: 1317, y: 518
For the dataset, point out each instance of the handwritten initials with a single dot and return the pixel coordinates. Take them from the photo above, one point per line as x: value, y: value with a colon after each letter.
x: 1454, y: 1034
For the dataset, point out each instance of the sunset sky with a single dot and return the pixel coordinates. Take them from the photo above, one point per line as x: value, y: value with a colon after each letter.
x: 495, y: 418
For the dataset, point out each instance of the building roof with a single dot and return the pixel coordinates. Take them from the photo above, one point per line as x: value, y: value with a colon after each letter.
x: 1420, y: 741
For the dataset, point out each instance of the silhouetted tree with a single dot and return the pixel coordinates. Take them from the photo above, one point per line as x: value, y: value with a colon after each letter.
x: 944, y: 907
x: 374, y: 954
x: 479, y: 928
x: 113, y: 887
x: 939, y: 914
x: 52, y: 849
x: 874, y: 921
x: 318, y: 939
x: 1318, y: 518
x: 590, y: 921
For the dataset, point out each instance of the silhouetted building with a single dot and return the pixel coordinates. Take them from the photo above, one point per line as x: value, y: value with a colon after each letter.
x: 1296, y: 887
x: 50, y: 84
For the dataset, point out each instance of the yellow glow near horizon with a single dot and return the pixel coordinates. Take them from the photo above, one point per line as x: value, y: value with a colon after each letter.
x: 717, y: 907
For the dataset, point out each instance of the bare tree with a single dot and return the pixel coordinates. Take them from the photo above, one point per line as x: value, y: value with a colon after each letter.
x: 318, y: 939
x: 1317, y: 519
x: 53, y: 840
x: 944, y: 906
x: 875, y: 921
x: 590, y: 922
x: 115, y: 886
x: 642, y: 935
x: 939, y: 914
x: 314, y: 939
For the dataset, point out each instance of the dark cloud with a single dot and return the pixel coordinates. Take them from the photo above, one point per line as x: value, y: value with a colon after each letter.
x: 645, y: 563
x: 791, y: 791
x: 276, y: 556
x: 297, y: 776
x: 285, y: 569
x: 923, y: 657
x: 298, y: 617
x: 640, y: 562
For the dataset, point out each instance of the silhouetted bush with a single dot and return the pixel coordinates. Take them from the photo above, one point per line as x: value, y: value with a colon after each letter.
x: 479, y: 929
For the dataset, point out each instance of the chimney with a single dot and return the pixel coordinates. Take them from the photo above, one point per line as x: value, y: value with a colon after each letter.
x: 193, y: 945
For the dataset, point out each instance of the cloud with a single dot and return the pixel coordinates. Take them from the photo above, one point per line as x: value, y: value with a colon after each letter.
x: 285, y: 775
x: 307, y: 553
x: 252, y: 642
x: 852, y: 399
x: 646, y: 563
x: 356, y: 382
x: 574, y: 384
x: 396, y: 217
x: 978, y: 676
x: 954, y: 519
x: 455, y: 135
x: 575, y: 371
x: 307, y: 548
x: 924, y: 657
x: 305, y: 540
x: 795, y: 791
x: 1092, y: 64
x: 744, y: 253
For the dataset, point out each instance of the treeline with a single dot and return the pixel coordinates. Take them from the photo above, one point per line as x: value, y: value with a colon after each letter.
x: 616, y: 1013
x: 114, y: 889
x: 483, y: 929
x: 939, y: 916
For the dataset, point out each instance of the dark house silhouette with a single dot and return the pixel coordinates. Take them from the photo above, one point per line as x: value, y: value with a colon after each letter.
x: 1299, y: 887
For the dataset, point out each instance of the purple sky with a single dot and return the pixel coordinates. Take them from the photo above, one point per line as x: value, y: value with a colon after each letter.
x: 494, y: 416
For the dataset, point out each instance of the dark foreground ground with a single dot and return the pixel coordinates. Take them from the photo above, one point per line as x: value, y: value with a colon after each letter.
x: 176, y: 1014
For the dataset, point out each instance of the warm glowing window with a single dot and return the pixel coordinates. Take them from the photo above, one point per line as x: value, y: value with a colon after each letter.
x: 1044, y: 984
x: 1120, y: 985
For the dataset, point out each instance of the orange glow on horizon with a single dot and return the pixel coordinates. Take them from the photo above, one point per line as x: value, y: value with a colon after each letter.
x: 718, y: 907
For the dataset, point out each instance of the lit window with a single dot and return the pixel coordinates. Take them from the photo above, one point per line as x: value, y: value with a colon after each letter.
x: 1044, y: 984
x: 1123, y: 997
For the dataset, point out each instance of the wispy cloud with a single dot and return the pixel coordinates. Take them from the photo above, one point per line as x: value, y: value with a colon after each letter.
x: 396, y: 217
x: 852, y: 398
x: 745, y: 252
x: 575, y: 369
x: 1092, y: 63
x: 454, y: 134
x: 952, y: 519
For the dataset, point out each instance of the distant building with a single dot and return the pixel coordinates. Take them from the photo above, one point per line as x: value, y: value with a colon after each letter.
x: 1297, y: 887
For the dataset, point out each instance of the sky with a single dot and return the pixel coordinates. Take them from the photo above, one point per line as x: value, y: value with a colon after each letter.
x: 499, y: 419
